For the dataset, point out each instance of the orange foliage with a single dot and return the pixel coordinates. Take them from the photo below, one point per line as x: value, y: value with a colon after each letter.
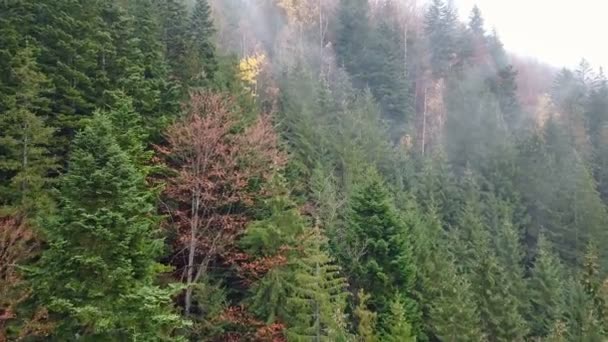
x: 17, y: 244
x: 261, y: 332
x: 213, y: 171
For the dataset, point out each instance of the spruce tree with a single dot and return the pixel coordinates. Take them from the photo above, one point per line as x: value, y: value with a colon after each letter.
x: 175, y: 38
x: 353, y: 34
x: 398, y: 329
x: 72, y: 42
x: 441, y: 29
x: 499, y: 309
x: 366, y: 319
x: 157, y: 99
x: 305, y: 291
x: 202, y: 59
x: 546, y: 290
x: 25, y: 138
x: 97, y: 274
x: 318, y: 297
x: 453, y: 313
x: 386, y: 266
x: 511, y: 256
x: 476, y: 22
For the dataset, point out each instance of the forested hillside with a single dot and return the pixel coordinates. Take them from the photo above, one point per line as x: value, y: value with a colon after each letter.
x: 294, y: 170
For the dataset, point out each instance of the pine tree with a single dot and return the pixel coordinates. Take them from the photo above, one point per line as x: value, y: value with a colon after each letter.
x: 97, y: 274
x: 386, y: 266
x: 25, y: 138
x: 546, y: 290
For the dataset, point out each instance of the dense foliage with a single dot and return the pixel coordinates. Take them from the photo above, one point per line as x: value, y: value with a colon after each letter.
x: 282, y: 170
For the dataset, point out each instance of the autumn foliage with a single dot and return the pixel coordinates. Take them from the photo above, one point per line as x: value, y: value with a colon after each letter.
x: 17, y: 243
x: 216, y: 174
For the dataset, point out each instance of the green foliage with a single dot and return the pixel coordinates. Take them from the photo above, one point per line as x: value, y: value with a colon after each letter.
x: 304, y: 288
x: 201, y: 58
x: 97, y: 273
x: 366, y: 319
x: 499, y: 309
x: 25, y: 138
x: 397, y: 327
x: 441, y: 23
x: 547, y: 291
x: 453, y: 314
x: 384, y: 265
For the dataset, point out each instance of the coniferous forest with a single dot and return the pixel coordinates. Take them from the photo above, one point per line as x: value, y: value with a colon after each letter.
x: 294, y: 170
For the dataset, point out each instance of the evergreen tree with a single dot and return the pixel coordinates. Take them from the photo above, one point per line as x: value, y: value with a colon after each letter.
x: 504, y: 86
x: 454, y: 315
x: 511, y: 256
x: 175, y: 38
x: 441, y: 29
x: 317, y: 302
x: 397, y: 327
x: 366, y: 319
x: 25, y: 138
x: 201, y: 49
x: 98, y: 271
x: 156, y: 98
x: 305, y: 290
x: 546, y: 290
x: 581, y: 317
x: 476, y: 22
x: 72, y: 42
x: 498, y: 308
x: 385, y: 266
x: 353, y: 33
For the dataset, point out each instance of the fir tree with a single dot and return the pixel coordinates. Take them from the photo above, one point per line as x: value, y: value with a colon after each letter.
x: 98, y: 271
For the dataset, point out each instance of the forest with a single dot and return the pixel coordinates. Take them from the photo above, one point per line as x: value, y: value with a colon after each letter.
x: 294, y: 170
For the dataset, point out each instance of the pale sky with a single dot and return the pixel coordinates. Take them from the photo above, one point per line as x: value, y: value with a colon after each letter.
x: 558, y: 32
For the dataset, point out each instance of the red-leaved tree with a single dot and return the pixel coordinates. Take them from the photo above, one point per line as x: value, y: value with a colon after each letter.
x: 217, y: 168
x: 17, y: 245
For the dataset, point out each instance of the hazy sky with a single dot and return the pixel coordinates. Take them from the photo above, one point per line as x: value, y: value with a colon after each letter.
x: 559, y: 32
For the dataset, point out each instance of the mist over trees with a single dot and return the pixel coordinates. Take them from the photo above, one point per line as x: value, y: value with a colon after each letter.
x: 284, y: 170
